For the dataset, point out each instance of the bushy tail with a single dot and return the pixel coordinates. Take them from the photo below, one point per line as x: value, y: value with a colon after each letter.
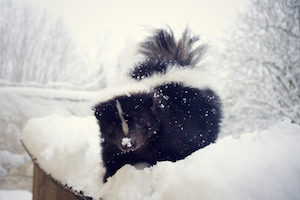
x: 162, y: 50
x: 163, y: 46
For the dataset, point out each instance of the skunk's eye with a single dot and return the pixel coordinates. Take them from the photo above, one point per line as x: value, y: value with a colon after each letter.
x: 142, y: 126
x: 142, y: 122
x: 110, y: 129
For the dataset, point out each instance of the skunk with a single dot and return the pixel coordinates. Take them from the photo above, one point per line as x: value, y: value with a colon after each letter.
x: 164, y: 113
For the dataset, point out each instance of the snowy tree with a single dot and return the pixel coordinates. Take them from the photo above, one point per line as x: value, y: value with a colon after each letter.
x: 263, y: 53
x: 36, y: 48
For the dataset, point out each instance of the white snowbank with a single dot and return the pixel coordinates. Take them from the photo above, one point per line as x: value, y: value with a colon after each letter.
x: 260, y: 165
x: 17, y: 105
x: 68, y: 149
x: 10, y: 159
x: 15, y: 195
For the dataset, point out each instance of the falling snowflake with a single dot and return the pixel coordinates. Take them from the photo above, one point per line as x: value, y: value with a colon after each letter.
x: 166, y: 97
x: 127, y: 94
x: 213, y: 110
x: 155, y: 95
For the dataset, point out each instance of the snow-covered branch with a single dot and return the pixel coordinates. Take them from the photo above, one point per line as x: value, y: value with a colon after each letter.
x: 263, y: 57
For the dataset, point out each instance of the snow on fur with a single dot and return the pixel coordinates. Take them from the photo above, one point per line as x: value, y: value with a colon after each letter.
x: 260, y: 165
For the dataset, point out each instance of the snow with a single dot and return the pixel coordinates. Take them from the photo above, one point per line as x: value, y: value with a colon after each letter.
x: 15, y: 195
x: 11, y: 159
x: 68, y: 149
x: 126, y: 142
x: 18, y: 104
x: 258, y: 165
x: 107, y: 60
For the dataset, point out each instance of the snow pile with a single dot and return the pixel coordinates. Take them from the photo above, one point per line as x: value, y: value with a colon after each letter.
x: 18, y: 104
x: 15, y: 195
x: 68, y: 149
x: 260, y: 165
x: 11, y: 160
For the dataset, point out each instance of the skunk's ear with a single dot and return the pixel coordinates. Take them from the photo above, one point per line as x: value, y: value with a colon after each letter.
x: 157, y: 103
x: 97, y: 111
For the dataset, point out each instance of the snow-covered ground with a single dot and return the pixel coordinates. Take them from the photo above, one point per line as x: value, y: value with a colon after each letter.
x: 15, y: 195
x: 234, y: 166
x: 17, y: 106
x: 259, y: 165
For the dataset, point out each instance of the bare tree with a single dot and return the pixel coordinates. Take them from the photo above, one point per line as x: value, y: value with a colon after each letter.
x: 263, y: 54
x: 38, y: 49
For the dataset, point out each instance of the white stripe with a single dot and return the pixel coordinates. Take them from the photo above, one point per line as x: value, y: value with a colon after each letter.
x: 120, y: 112
x: 188, y: 77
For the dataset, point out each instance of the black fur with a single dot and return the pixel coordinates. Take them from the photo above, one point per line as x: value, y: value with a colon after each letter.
x: 168, y: 123
x: 162, y: 50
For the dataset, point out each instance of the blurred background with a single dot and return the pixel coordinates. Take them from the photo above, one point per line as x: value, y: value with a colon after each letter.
x: 56, y: 55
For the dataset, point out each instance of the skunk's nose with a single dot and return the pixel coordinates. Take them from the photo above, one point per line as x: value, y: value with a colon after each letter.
x: 128, y: 144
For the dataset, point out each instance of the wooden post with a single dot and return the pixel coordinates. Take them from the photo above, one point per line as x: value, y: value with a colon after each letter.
x: 45, y: 188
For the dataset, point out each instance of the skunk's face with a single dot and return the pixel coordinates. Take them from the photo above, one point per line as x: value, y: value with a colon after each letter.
x: 127, y: 122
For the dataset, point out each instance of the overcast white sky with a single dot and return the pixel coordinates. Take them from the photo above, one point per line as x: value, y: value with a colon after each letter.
x: 118, y: 20
x: 88, y: 16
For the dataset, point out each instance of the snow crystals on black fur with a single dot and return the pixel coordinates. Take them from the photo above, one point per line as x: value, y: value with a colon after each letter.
x: 169, y: 122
